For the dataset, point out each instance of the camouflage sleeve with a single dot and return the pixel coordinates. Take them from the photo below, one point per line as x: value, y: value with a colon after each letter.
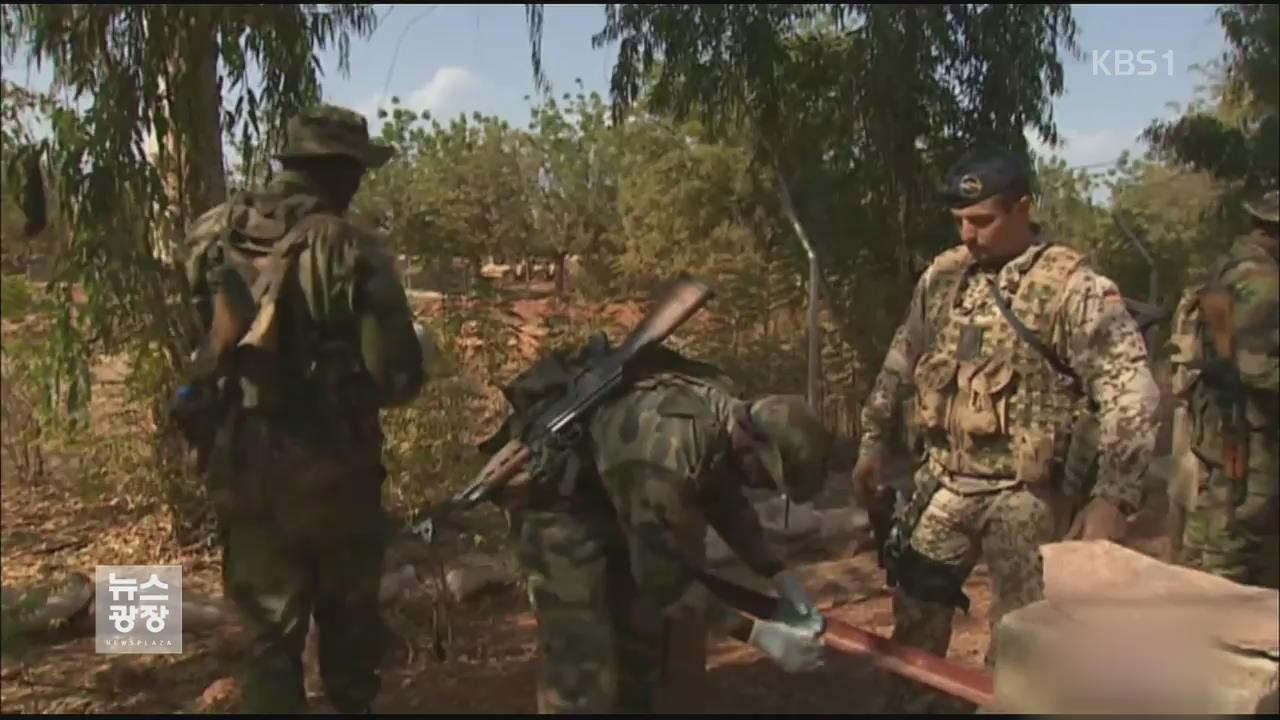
x: 648, y: 458
x: 195, y: 261
x: 389, y: 342
x: 879, y: 413
x: 655, y: 505
x: 731, y: 514
x: 1101, y: 342
x: 349, y: 278
x: 1256, y: 313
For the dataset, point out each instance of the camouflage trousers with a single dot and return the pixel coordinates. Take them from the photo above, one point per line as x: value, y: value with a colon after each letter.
x: 1005, y: 528
x: 1234, y: 531
x: 303, y: 537
x: 598, y: 654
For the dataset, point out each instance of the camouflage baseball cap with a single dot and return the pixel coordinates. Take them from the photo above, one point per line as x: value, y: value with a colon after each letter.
x: 1266, y: 208
x: 330, y: 130
x: 792, y: 443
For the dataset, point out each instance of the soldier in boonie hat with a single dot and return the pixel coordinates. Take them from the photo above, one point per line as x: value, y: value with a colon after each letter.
x: 789, y: 441
x: 327, y: 130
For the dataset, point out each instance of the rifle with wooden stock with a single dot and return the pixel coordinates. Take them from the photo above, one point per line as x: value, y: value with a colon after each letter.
x: 1217, y: 308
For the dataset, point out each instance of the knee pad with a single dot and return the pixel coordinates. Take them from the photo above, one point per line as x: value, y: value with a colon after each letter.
x: 927, y: 579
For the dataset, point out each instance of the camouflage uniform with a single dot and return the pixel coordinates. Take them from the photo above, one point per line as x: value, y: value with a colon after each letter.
x: 295, y: 474
x: 609, y: 569
x: 997, y: 422
x: 1232, y: 528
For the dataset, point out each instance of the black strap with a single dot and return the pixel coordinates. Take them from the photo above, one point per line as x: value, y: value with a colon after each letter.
x: 1037, y: 344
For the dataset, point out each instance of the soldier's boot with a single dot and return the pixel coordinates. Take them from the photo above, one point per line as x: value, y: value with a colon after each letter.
x: 352, y: 635
x: 925, y: 625
x: 273, y: 684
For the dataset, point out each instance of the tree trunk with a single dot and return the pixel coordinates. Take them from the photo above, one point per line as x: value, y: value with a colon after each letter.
x: 561, y: 264
x: 190, y: 156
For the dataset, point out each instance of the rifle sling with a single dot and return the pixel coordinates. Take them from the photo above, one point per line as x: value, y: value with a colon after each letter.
x: 1037, y: 344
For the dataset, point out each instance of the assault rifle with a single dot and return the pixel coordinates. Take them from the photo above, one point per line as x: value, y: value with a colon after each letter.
x: 560, y: 424
x: 1220, y: 374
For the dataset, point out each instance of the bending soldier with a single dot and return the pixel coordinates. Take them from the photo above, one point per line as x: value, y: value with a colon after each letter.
x: 613, y: 556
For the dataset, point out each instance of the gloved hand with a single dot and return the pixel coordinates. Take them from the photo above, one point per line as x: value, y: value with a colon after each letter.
x: 797, y: 610
x: 795, y: 649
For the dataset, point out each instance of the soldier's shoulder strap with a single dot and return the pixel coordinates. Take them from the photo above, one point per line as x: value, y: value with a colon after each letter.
x: 1054, y: 266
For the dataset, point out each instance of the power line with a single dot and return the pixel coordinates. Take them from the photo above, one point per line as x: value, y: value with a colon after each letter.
x: 396, y: 53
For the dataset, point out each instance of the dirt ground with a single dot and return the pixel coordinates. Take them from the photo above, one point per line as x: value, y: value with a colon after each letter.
x: 47, y: 533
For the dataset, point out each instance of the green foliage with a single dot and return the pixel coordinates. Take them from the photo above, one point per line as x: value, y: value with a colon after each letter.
x: 160, y: 70
x: 857, y: 109
x: 1235, y: 138
x: 16, y: 297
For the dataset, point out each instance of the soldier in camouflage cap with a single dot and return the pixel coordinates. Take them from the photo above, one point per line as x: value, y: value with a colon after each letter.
x: 293, y: 461
x: 1233, y: 523
x: 1009, y: 340
x: 613, y: 563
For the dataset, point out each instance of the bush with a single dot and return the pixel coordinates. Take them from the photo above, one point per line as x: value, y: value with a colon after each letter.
x: 16, y: 297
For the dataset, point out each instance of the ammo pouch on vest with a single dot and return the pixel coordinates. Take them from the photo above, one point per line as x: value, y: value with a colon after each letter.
x: 969, y: 403
x: 1037, y: 451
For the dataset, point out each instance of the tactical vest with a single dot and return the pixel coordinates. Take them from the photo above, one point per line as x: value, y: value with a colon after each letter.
x: 1003, y: 412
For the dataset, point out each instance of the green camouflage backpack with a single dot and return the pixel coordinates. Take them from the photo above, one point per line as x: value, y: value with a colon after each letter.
x: 262, y: 350
x: 563, y: 471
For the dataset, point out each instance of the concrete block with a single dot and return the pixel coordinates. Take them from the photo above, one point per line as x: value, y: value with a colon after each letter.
x: 1120, y: 632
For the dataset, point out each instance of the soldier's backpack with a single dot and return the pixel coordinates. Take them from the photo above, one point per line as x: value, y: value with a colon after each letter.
x: 563, y: 471
x: 261, y: 342
x: 259, y: 322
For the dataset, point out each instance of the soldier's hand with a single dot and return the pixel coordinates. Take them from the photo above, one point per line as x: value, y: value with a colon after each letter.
x: 795, y: 649
x: 868, y: 475
x: 797, y: 609
x: 1099, y: 520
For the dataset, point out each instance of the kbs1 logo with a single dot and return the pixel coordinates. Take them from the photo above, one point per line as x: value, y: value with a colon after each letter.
x: 1127, y: 63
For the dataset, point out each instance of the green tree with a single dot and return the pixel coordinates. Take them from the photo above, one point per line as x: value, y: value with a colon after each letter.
x: 855, y: 109
x: 159, y: 70
x: 1235, y: 137
x: 574, y: 178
